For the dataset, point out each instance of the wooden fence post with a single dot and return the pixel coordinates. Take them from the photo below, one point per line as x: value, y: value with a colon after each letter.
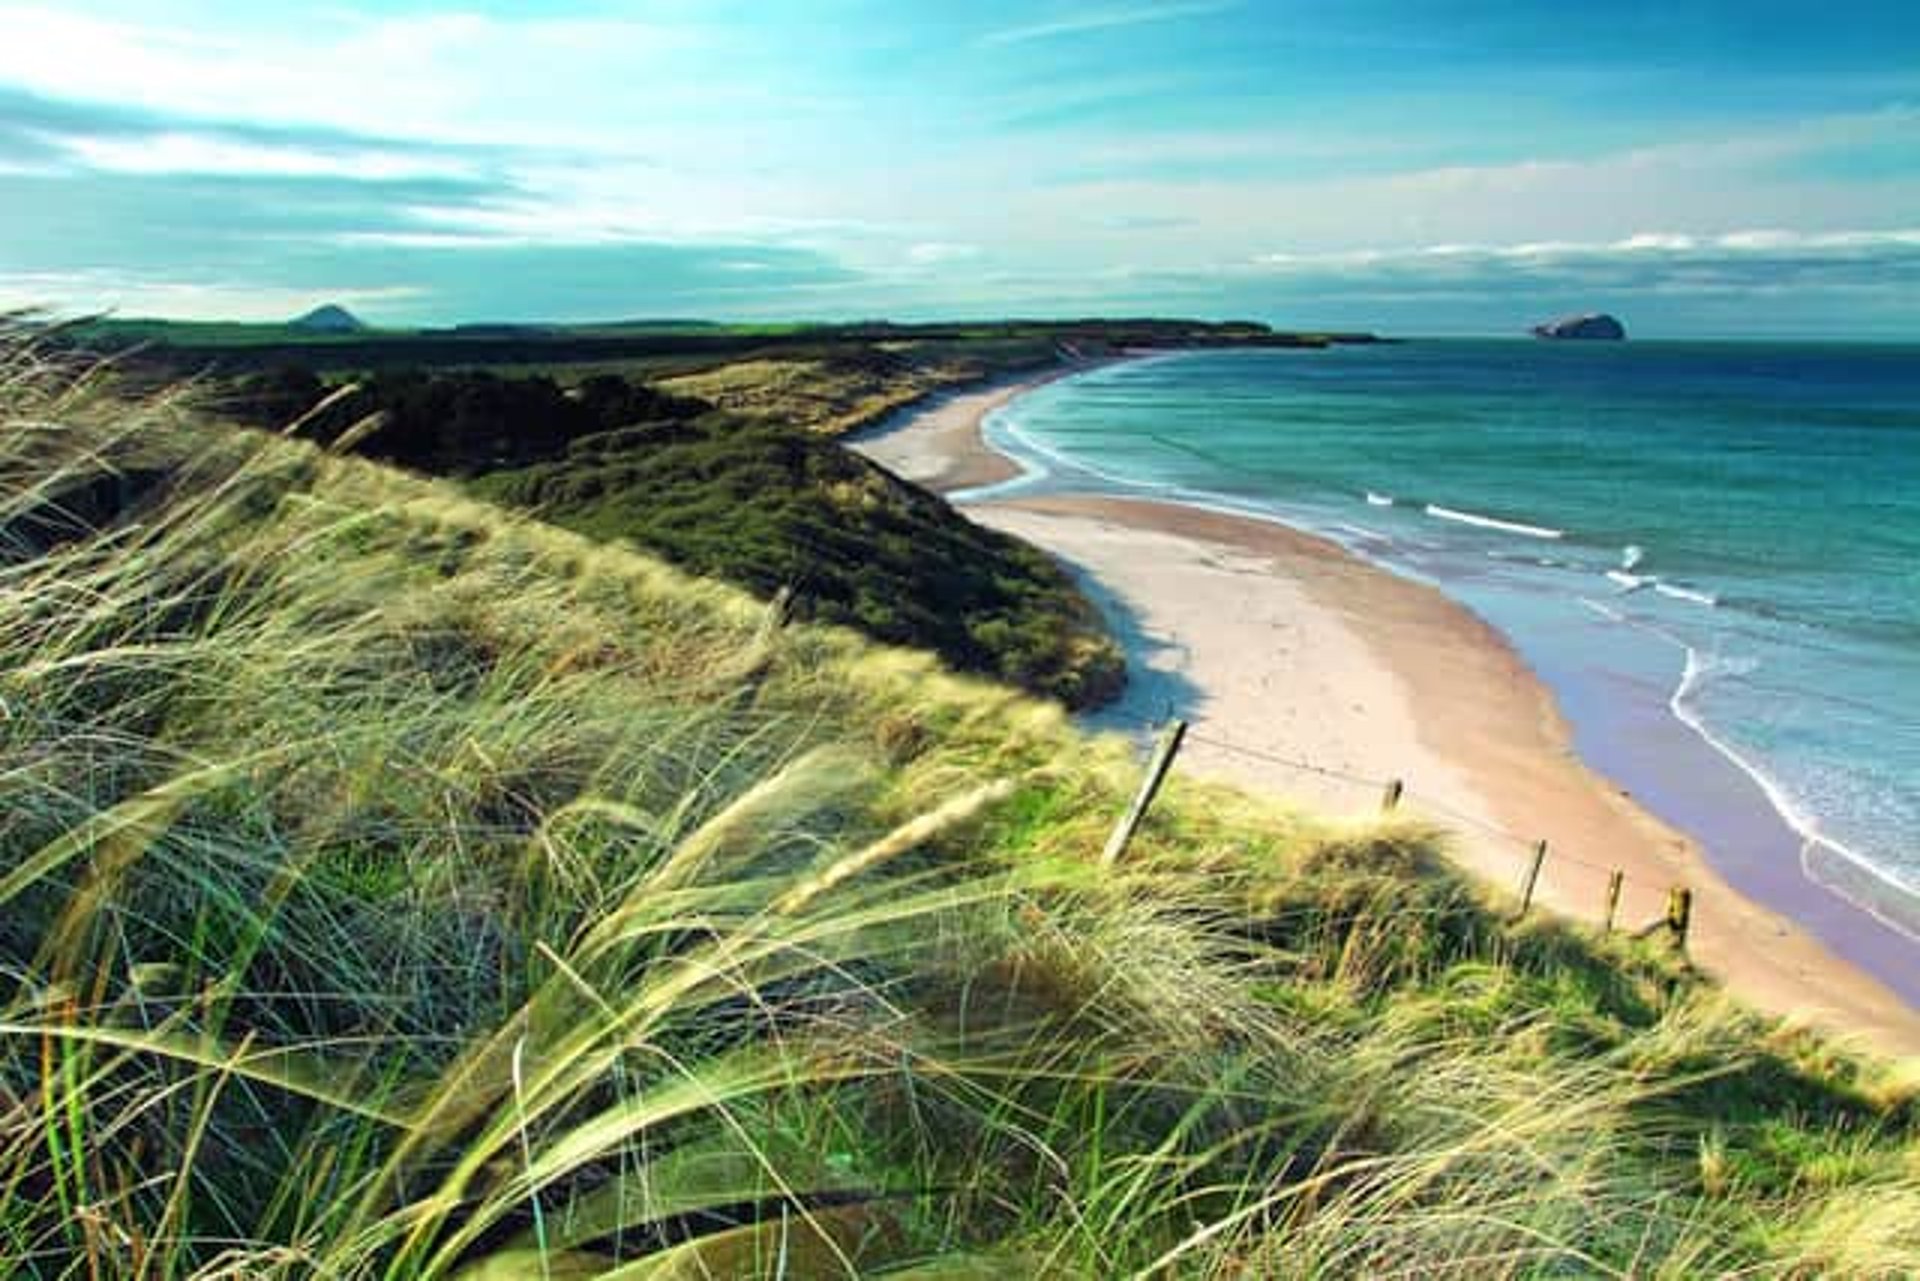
x: 1613, y: 898
x: 1533, y: 877
x: 1679, y: 914
x: 1390, y: 799
x: 1163, y: 754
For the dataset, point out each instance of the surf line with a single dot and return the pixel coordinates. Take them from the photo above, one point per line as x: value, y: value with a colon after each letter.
x: 1489, y: 522
x: 1804, y: 825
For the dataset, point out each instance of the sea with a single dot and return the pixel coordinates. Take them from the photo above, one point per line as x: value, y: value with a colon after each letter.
x: 1710, y: 551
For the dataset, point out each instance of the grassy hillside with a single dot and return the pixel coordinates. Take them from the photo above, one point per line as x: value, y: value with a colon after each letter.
x: 777, y: 511
x: 391, y: 886
x: 768, y: 505
x: 835, y: 393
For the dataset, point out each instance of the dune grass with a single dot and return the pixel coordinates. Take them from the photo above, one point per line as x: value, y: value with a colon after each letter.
x: 829, y: 396
x: 390, y: 886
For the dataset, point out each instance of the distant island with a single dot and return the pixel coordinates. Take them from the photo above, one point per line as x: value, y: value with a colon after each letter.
x: 328, y: 319
x: 1593, y: 325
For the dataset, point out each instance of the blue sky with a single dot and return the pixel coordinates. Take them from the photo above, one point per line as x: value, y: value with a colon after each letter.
x: 1449, y: 166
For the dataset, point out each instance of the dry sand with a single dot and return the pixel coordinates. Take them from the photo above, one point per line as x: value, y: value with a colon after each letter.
x: 1284, y: 650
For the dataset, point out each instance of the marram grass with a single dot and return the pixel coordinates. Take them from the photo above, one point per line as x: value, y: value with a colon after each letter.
x: 391, y: 888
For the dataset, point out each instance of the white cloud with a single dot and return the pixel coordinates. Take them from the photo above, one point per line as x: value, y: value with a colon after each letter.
x: 1655, y: 240
x: 933, y: 253
x: 1764, y: 178
x: 133, y: 295
x: 202, y: 153
x: 1638, y: 247
x: 1092, y: 20
x: 444, y: 76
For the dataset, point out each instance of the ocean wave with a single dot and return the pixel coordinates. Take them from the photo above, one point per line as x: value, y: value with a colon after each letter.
x: 1697, y: 671
x: 1631, y: 555
x: 1038, y: 462
x: 1628, y: 582
x: 1379, y: 500
x: 1028, y: 459
x: 1605, y: 611
x: 1492, y: 522
x: 1686, y: 593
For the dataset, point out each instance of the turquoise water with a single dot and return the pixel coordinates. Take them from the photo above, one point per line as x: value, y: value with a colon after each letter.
x: 1715, y: 542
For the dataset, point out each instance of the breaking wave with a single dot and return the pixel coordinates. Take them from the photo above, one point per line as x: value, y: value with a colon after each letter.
x: 1492, y: 522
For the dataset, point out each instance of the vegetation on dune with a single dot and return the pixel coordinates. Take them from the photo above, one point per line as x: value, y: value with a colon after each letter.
x: 832, y: 394
x: 776, y: 511
x: 762, y: 504
x: 393, y: 886
x: 461, y: 425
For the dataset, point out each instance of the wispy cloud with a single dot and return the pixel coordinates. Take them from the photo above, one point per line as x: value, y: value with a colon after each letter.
x: 934, y: 253
x: 200, y: 153
x: 88, y: 136
x: 237, y: 297
x: 1089, y: 21
x: 432, y: 282
x: 1760, y: 246
x: 1760, y: 281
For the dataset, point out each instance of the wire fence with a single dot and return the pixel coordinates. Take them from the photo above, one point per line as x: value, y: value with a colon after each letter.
x: 1576, y: 884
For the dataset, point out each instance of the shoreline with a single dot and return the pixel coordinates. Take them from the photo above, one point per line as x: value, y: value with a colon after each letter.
x: 1279, y: 646
x: 938, y: 442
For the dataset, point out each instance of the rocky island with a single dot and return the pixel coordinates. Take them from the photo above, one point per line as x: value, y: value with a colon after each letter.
x: 1593, y: 325
x: 331, y: 318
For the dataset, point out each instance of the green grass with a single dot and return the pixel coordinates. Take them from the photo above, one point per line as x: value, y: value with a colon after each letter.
x: 219, y: 334
x: 392, y: 886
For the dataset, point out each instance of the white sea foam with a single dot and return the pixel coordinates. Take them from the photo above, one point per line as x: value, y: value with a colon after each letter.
x: 1489, y: 522
x: 1686, y: 594
x: 1630, y: 555
x: 1027, y: 458
x: 1029, y: 447
x: 1379, y: 500
x: 1628, y: 582
x: 1605, y: 611
x: 1697, y: 670
x: 1037, y: 462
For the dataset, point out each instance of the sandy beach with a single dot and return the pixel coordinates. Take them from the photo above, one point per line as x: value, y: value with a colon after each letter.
x: 1309, y: 674
x: 937, y: 443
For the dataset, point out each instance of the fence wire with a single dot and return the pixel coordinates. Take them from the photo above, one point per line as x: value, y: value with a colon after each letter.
x: 1407, y: 798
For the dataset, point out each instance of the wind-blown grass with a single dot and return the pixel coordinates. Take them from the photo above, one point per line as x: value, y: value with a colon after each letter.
x: 394, y: 887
